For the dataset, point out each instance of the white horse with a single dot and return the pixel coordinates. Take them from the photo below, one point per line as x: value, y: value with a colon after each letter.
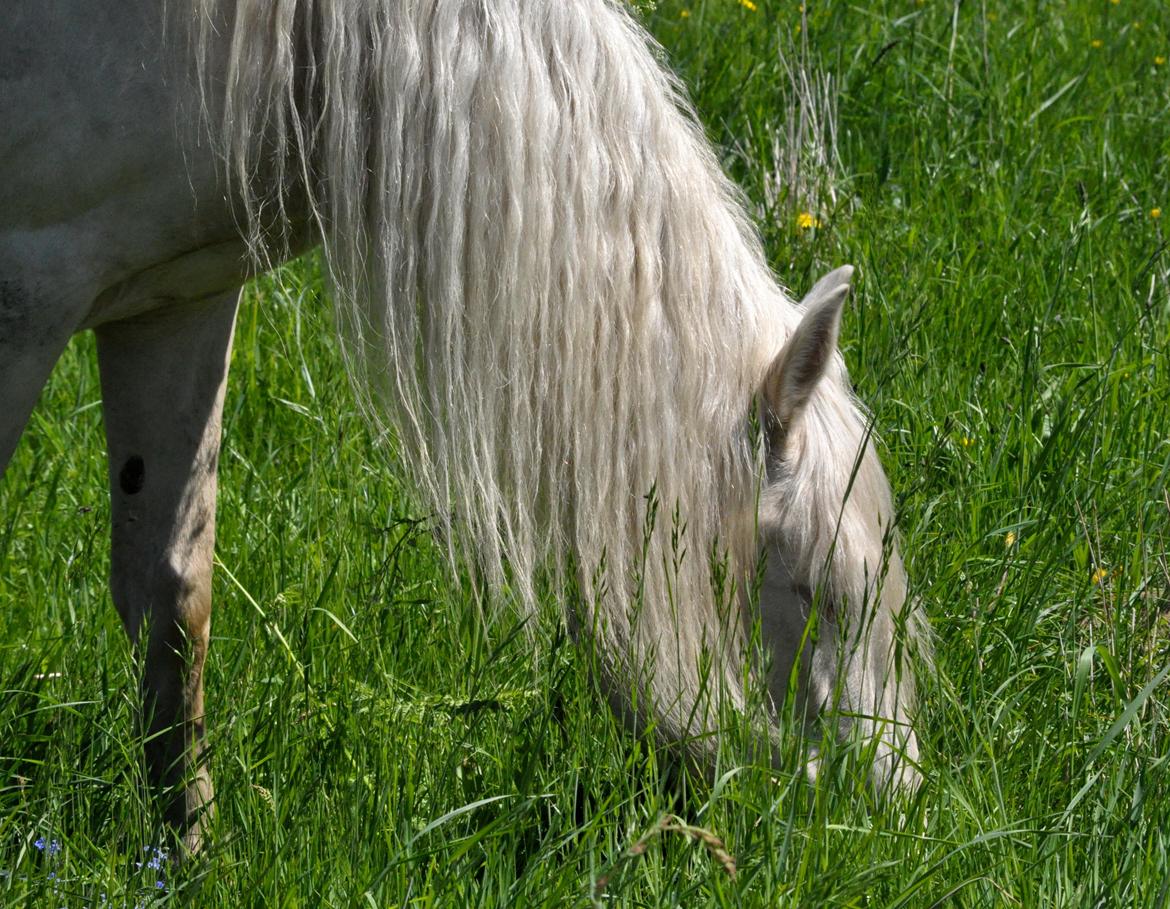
x: 548, y: 289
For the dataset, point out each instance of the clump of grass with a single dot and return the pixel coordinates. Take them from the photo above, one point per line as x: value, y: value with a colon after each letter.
x: 805, y: 183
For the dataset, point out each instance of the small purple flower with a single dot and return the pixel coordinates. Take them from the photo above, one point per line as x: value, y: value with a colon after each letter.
x: 160, y: 884
x: 54, y: 847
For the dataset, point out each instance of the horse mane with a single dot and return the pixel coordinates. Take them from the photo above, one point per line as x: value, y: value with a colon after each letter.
x: 549, y: 292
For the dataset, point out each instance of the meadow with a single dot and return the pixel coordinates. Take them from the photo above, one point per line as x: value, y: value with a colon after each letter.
x: 381, y: 735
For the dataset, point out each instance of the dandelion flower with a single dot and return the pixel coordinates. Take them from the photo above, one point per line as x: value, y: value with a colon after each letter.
x: 966, y: 441
x: 1099, y: 575
x: 807, y: 220
x: 1155, y: 213
x: 748, y: 4
x: 1159, y: 60
x: 1096, y: 42
x: 685, y: 14
x: 1009, y: 539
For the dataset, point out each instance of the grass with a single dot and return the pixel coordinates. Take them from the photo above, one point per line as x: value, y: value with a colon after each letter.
x: 376, y: 742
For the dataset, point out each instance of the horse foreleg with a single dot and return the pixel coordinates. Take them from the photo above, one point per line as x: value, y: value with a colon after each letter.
x: 163, y: 377
x: 21, y: 376
x: 36, y: 322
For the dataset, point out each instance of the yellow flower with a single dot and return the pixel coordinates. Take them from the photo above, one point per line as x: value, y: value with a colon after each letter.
x: 685, y: 14
x: 966, y: 441
x: 1115, y: 2
x: 1009, y: 539
x: 1096, y: 42
x: 1155, y: 213
x: 1159, y: 60
x: 806, y: 220
x: 1099, y: 575
x: 747, y: 4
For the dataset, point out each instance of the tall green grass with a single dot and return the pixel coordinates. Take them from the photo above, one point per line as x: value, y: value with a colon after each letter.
x: 380, y: 738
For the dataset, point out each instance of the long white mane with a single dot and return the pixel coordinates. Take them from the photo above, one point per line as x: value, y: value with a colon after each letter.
x: 547, y: 285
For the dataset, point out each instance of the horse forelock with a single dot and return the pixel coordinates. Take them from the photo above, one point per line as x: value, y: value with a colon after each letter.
x: 828, y: 503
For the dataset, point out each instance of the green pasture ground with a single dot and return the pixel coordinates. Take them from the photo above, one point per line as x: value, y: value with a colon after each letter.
x: 381, y: 737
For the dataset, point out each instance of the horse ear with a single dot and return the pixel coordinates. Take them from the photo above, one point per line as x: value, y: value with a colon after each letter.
x: 801, y: 363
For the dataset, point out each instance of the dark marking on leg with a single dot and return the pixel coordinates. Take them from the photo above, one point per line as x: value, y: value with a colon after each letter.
x: 132, y: 476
